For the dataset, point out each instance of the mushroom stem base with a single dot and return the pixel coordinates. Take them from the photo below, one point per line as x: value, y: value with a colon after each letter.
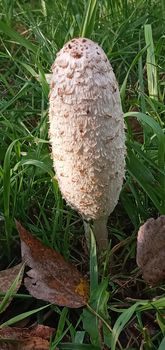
x: 87, y: 232
x: 100, y: 232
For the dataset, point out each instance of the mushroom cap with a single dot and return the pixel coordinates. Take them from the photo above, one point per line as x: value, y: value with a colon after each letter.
x: 86, y: 128
x: 151, y: 250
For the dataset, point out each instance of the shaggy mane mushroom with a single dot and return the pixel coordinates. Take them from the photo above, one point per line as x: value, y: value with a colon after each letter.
x: 87, y: 132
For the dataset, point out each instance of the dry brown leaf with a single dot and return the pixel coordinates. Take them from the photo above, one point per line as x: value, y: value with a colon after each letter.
x: 151, y: 250
x: 8, y: 276
x: 36, y: 338
x: 51, y: 278
x: 34, y: 343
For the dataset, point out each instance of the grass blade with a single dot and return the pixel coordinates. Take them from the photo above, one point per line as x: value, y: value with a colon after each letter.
x: 162, y: 344
x: 149, y: 121
x: 61, y: 325
x: 93, y: 264
x: 22, y: 316
x: 72, y: 346
x: 145, y: 179
x: 16, y: 37
x: 11, y: 291
x: 135, y: 60
x: 34, y: 162
x: 146, y: 119
x: 6, y: 195
x: 89, y: 18
x: 97, y: 310
x: 119, y: 325
x: 151, y: 63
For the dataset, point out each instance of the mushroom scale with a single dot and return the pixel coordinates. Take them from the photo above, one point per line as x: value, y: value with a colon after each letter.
x: 87, y: 130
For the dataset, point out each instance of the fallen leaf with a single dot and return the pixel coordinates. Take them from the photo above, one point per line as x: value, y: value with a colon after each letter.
x: 27, y: 344
x: 51, y: 278
x: 17, y: 333
x: 35, y: 338
x: 42, y: 331
x: 7, y: 277
x: 151, y: 250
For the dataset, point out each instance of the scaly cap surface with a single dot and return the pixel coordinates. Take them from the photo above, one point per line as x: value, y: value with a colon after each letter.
x: 86, y: 128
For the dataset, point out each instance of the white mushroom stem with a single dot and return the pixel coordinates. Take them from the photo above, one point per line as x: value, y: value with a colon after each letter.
x: 100, y: 231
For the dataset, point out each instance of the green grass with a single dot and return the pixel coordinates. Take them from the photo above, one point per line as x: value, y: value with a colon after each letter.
x: 132, y: 35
